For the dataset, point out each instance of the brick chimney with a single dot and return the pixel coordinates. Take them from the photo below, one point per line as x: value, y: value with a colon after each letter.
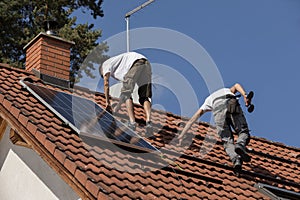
x: 48, y: 56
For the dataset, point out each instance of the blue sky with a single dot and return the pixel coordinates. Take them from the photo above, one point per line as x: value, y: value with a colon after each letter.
x: 255, y: 43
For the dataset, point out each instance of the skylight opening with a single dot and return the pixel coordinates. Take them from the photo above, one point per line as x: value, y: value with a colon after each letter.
x: 277, y: 193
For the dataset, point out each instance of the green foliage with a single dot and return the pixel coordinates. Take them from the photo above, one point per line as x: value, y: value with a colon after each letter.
x: 22, y: 20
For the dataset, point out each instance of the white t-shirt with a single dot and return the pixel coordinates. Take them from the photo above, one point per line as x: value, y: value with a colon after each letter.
x: 208, y: 103
x: 119, y: 65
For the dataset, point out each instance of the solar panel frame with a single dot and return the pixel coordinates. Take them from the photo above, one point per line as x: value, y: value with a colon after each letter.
x: 66, y: 107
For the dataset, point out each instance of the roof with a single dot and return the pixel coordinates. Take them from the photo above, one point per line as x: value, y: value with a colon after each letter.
x: 100, y: 171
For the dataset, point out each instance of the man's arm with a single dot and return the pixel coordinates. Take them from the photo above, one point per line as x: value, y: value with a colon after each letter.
x: 106, y: 89
x: 188, y: 125
x: 238, y: 88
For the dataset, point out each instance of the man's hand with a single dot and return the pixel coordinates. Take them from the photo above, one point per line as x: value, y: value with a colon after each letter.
x: 238, y: 88
x: 180, y: 139
x: 247, y: 101
x: 184, y: 135
x: 185, y: 139
x: 188, y: 125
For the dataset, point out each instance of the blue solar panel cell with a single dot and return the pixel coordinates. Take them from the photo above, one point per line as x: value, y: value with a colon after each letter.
x: 83, y: 115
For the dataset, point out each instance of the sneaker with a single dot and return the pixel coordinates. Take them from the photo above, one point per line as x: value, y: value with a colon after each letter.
x: 237, y: 166
x: 131, y: 126
x: 240, y: 149
x: 149, y: 128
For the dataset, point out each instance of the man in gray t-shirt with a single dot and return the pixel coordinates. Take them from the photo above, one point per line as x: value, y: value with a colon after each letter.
x: 228, y: 115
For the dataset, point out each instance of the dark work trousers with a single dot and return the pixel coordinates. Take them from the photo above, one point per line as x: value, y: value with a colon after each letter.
x: 225, y: 122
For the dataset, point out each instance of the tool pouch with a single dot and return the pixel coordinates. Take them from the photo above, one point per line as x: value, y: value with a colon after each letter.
x: 233, y: 106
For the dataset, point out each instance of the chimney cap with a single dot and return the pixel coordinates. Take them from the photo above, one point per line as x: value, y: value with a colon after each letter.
x: 47, y: 35
x: 50, y: 26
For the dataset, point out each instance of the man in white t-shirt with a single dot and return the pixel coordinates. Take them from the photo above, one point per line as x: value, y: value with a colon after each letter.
x: 131, y: 68
x: 227, y: 114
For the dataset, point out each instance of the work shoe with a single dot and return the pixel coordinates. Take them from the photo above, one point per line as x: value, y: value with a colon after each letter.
x: 131, y: 126
x: 237, y: 166
x: 149, y: 129
x: 240, y: 149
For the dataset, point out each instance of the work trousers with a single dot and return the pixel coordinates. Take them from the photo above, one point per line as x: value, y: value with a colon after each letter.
x: 140, y: 74
x: 225, y: 122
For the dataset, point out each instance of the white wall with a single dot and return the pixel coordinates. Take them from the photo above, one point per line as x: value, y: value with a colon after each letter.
x: 24, y: 175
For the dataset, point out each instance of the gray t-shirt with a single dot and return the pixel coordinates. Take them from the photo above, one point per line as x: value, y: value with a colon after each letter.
x: 208, y: 103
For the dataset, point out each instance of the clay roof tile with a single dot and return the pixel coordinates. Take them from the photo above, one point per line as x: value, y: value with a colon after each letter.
x: 202, y: 171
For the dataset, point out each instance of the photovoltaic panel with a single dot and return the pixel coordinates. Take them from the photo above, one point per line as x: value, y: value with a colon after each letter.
x: 83, y: 115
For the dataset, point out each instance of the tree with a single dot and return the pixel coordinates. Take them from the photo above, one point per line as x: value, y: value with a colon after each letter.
x: 20, y: 21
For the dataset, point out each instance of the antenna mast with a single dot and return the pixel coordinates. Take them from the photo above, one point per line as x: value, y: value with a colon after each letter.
x: 127, y: 16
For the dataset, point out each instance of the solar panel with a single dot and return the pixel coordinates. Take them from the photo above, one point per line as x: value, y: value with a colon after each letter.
x: 83, y: 115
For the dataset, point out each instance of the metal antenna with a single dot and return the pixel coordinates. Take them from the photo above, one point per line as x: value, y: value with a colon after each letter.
x: 127, y: 16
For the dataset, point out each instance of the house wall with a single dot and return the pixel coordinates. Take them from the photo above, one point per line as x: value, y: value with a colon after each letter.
x: 24, y: 175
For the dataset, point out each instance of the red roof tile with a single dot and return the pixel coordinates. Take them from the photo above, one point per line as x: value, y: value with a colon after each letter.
x: 101, y: 171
